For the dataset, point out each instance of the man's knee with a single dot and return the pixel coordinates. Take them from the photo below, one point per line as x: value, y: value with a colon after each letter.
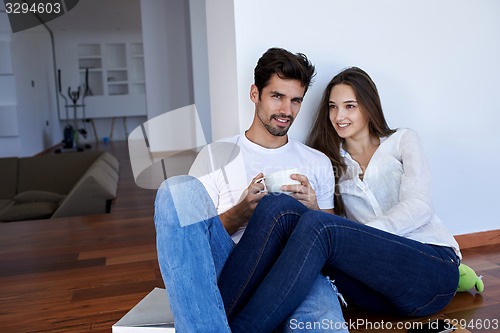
x: 182, y: 201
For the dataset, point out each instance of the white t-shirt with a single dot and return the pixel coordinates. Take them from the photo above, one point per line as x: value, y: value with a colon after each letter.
x: 227, y: 167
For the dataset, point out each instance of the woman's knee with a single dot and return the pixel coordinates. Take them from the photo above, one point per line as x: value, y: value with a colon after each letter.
x: 321, y: 223
x: 320, y: 218
x: 275, y: 213
x: 279, y: 203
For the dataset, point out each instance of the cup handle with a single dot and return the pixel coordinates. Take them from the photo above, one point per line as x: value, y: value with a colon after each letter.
x: 261, y: 180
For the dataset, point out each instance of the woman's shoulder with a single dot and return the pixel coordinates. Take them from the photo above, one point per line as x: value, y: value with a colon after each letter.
x: 405, y: 140
x: 401, y: 131
x: 403, y: 134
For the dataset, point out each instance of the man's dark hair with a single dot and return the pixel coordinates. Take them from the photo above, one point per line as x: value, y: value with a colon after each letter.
x: 286, y: 65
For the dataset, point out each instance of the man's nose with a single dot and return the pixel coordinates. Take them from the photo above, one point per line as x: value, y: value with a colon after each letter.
x: 286, y: 108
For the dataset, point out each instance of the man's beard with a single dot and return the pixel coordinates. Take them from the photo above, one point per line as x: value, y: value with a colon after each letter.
x: 277, y: 131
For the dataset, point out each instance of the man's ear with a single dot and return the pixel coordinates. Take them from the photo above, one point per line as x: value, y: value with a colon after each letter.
x: 254, y: 93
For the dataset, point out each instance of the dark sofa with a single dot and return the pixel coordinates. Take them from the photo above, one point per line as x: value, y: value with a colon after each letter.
x: 57, y: 185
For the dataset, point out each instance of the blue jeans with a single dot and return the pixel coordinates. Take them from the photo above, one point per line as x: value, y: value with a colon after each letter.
x: 375, y: 269
x: 193, y: 247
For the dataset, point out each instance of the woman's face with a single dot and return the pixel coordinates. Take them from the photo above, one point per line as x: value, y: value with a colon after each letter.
x: 345, y: 113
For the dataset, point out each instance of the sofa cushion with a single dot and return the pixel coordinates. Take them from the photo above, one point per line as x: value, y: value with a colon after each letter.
x: 111, y: 160
x: 38, y: 196
x: 4, y: 203
x: 8, y: 177
x: 28, y: 211
x: 90, y: 194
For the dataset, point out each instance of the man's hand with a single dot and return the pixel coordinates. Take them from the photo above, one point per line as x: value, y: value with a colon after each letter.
x: 303, y: 192
x: 240, y: 214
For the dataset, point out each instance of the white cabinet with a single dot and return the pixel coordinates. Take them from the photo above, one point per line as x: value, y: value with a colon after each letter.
x: 116, y: 80
x: 113, y: 68
x: 137, y: 77
x: 116, y: 71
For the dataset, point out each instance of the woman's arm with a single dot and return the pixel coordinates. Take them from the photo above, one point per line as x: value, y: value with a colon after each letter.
x: 415, y: 207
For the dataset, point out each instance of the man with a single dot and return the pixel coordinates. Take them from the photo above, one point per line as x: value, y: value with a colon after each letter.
x: 200, y: 219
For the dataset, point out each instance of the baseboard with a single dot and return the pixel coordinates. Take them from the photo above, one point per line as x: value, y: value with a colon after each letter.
x: 476, y: 239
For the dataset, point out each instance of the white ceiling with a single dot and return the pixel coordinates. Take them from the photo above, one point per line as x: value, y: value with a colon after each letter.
x: 100, y: 15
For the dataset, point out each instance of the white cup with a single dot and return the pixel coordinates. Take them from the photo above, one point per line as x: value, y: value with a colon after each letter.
x: 274, y: 181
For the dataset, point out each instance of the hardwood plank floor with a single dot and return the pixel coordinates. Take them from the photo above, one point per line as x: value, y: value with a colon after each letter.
x: 82, y: 274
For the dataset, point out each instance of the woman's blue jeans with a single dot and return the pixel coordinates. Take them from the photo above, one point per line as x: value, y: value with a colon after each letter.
x: 192, y: 248
x: 274, y: 265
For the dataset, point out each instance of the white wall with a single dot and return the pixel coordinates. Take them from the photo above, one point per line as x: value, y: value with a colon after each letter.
x: 223, y: 76
x: 167, y: 55
x: 34, y: 84
x: 199, y: 52
x: 435, y: 63
x: 10, y: 143
x: 31, y: 98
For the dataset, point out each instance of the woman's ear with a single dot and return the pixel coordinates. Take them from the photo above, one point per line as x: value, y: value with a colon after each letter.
x: 254, y: 93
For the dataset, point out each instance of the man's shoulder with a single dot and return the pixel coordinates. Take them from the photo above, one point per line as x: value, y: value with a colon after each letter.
x: 306, y: 150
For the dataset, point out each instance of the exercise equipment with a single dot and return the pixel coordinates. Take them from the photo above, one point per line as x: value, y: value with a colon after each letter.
x: 71, y: 132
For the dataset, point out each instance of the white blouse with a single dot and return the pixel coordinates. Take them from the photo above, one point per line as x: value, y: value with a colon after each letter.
x: 395, y: 193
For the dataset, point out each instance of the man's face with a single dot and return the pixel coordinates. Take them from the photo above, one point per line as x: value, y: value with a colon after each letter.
x: 278, y: 104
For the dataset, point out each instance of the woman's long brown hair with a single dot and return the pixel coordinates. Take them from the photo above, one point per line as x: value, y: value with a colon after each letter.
x: 323, y: 136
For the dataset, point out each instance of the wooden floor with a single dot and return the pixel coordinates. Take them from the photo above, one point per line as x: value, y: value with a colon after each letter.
x: 82, y: 274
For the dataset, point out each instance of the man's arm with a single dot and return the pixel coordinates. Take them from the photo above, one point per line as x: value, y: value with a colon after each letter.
x: 239, y: 215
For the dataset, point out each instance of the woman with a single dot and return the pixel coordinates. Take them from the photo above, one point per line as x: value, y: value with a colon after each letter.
x: 385, y: 247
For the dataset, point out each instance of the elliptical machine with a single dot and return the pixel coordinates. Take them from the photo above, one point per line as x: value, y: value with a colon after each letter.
x: 70, y: 133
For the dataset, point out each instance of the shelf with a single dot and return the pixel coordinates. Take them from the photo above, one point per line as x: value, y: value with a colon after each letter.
x: 95, y: 83
x: 82, y: 70
x: 138, y: 88
x: 116, y: 57
x: 136, y: 49
x: 137, y: 70
x: 89, y: 50
x: 113, y: 68
x: 116, y: 82
x: 116, y: 75
x: 118, y: 89
x: 91, y: 63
